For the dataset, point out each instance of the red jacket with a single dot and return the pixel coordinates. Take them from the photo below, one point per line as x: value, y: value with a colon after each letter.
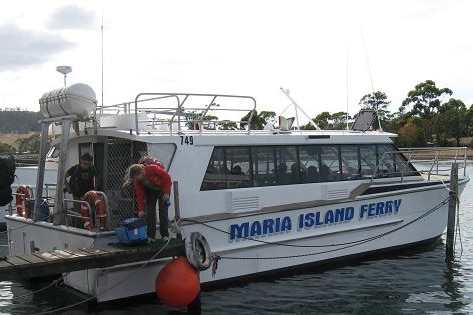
x: 157, y: 176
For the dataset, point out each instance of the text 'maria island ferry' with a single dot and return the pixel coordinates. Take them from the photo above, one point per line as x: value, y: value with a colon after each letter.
x: 265, y: 200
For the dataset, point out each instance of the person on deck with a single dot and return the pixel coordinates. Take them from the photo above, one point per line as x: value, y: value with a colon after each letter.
x: 152, y: 184
x: 83, y: 177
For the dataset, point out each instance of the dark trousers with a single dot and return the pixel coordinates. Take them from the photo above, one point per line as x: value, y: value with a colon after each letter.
x: 153, y: 197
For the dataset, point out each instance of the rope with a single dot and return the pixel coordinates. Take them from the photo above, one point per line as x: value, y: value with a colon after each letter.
x: 54, y: 282
x: 344, y: 245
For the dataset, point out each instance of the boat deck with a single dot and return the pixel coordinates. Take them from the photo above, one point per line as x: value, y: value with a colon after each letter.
x: 58, y: 261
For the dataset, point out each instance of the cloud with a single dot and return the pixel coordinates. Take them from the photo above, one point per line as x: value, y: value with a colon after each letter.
x: 22, y: 48
x: 71, y: 17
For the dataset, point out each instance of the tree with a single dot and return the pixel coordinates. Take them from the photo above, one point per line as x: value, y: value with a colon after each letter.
x: 469, y: 121
x: 339, y: 121
x: 379, y: 103
x: 410, y: 135
x: 6, y: 148
x: 258, y: 121
x: 30, y: 144
x: 425, y: 102
x: 451, y: 120
x: 227, y: 125
x: 321, y: 120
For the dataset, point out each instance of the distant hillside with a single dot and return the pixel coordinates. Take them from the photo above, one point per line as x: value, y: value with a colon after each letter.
x: 19, y: 121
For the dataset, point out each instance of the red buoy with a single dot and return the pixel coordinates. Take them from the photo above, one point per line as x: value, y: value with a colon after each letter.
x: 177, y: 284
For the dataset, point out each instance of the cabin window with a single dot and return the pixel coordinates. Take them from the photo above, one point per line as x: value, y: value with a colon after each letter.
x: 387, y: 165
x: 329, y: 163
x: 238, y: 166
x: 216, y: 174
x: 264, y: 166
x: 393, y: 163
x: 309, y: 161
x: 288, y: 170
x: 350, y: 162
x: 228, y: 168
x: 368, y: 160
x: 256, y: 166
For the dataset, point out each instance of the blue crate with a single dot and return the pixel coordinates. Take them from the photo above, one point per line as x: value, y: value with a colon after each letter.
x: 132, y: 231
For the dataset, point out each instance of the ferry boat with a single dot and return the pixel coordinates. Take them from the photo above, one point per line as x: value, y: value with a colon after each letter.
x: 266, y: 200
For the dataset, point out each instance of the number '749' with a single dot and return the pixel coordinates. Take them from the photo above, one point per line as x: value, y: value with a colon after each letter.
x: 187, y: 140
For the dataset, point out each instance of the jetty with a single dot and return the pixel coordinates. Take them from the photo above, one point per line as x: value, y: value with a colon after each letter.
x: 54, y: 262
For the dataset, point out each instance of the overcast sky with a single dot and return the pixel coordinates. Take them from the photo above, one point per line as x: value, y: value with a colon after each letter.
x: 328, y: 53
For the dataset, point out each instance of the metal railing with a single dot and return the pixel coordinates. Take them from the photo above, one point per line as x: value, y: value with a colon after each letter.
x: 177, y: 112
x: 436, y: 161
x: 94, y: 218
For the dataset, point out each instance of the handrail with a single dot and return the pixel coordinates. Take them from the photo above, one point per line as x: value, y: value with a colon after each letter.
x: 178, y: 112
x: 97, y: 216
x: 438, y: 160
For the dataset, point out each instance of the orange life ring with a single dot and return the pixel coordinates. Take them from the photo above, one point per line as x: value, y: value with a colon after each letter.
x: 94, y: 199
x: 24, y: 193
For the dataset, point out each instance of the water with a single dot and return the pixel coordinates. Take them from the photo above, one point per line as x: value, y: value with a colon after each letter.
x: 416, y: 282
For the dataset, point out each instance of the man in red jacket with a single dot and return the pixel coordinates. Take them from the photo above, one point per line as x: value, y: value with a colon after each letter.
x: 152, y: 184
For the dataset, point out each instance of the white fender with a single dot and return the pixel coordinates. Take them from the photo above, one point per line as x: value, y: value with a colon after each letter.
x: 198, y: 251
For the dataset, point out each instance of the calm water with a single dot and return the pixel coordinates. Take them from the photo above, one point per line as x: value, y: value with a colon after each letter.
x: 416, y: 282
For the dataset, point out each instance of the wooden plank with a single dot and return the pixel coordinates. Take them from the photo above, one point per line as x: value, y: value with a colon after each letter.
x: 60, y: 261
x: 64, y: 254
x: 82, y: 252
x: 5, y: 264
x: 17, y: 261
x: 76, y: 253
x: 112, y: 249
x: 94, y: 251
x: 34, y: 259
x: 48, y: 256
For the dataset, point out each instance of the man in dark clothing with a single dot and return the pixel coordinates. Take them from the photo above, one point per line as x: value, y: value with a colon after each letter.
x: 83, y: 177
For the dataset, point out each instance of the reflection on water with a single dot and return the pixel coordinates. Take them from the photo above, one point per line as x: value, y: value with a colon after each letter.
x: 414, y: 282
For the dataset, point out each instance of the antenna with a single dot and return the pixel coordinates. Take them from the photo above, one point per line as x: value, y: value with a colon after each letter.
x: 101, y: 39
x: 297, y: 107
x: 371, y: 79
x: 347, y: 90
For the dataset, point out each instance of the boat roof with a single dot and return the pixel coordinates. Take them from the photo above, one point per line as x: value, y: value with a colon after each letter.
x: 152, y: 116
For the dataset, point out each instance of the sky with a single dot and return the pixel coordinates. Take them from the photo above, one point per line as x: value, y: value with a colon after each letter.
x: 329, y: 54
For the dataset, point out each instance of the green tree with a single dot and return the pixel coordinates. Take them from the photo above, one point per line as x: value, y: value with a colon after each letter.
x: 451, y: 120
x: 469, y: 121
x: 425, y: 102
x: 339, y: 121
x: 227, y: 125
x: 30, y: 144
x: 327, y: 121
x: 379, y: 103
x: 258, y: 121
x: 321, y: 120
x: 6, y: 148
x: 410, y: 135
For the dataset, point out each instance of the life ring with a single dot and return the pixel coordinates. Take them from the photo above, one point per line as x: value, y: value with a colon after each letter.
x: 24, y: 193
x: 198, y: 251
x: 94, y: 199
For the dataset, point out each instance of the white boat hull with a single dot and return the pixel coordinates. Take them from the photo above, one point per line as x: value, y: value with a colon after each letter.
x: 302, y: 237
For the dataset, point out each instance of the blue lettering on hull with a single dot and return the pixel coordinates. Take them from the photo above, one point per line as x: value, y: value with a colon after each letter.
x: 311, y: 220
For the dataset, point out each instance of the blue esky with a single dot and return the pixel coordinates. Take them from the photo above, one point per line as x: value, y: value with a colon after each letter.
x: 320, y: 50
